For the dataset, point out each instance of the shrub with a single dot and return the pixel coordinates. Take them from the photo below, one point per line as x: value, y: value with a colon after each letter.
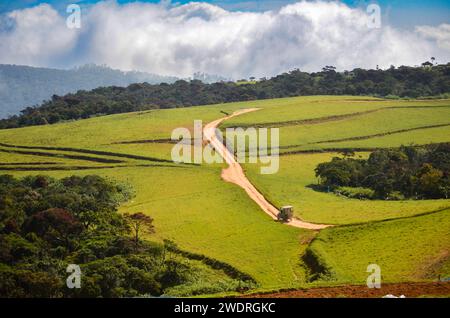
x: 395, y: 196
x: 356, y: 193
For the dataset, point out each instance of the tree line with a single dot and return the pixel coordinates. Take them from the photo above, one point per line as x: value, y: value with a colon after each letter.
x: 403, y: 82
x: 409, y: 172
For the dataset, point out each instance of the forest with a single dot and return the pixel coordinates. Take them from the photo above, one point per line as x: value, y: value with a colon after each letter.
x: 409, y: 172
x: 425, y: 81
x: 47, y: 224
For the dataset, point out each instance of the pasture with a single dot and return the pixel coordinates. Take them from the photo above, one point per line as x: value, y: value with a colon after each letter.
x: 409, y: 249
x: 292, y: 186
x: 193, y: 207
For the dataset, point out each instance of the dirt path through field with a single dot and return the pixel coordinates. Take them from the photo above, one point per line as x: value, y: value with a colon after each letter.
x: 409, y: 290
x: 235, y: 174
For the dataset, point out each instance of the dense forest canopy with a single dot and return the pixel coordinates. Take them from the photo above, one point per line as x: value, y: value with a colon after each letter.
x: 424, y: 81
x: 414, y: 172
x: 47, y: 224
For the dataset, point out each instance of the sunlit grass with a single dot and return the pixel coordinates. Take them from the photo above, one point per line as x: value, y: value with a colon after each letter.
x: 291, y: 186
x: 411, y: 249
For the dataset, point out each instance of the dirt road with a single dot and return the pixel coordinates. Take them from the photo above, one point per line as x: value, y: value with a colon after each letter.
x: 409, y: 290
x: 235, y: 174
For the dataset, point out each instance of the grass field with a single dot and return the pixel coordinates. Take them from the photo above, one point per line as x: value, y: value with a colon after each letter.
x: 410, y: 249
x: 107, y: 130
x: 376, y: 123
x: 417, y: 137
x: 289, y: 110
x: 316, y: 123
x: 192, y: 206
x: 290, y: 186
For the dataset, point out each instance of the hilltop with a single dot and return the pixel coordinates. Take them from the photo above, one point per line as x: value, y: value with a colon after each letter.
x: 403, y: 82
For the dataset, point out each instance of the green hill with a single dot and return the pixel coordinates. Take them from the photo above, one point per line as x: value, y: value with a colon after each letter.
x: 192, y: 206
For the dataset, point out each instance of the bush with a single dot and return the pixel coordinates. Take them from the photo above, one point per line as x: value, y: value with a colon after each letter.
x: 395, y: 97
x: 395, y: 196
x: 46, y: 224
x: 356, y: 193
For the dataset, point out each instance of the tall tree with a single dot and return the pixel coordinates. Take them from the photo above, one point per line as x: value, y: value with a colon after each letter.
x: 139, y: 222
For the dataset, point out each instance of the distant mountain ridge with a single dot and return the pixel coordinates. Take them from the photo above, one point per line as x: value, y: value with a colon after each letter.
x: 24, y: 86
x: 426, y: 81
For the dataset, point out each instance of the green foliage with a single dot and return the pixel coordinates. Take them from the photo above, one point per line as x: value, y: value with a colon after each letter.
x: 18, y: 283
x: 119, y: 276
x: 355, y: 193
x: 296, y: 184
x: 195, y: 205
x: 339, y: 172
x: 47, y: 224
x: 139, y: 222
x: 393, y: 174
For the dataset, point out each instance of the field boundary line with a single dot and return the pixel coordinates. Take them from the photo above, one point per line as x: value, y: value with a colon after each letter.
x: 94, y: 152
x: 442, y: 209
x: 61, y: 155
x: 388, y: 133
x: 88, y: 151
x: 75, y: 168
x: 332, y: 118
x: 337, y: 150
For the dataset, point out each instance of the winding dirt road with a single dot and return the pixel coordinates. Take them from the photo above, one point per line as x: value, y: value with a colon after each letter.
x: 235, y: 174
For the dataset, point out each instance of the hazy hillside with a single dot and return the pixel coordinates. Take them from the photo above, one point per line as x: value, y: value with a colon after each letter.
x: 23, y: 86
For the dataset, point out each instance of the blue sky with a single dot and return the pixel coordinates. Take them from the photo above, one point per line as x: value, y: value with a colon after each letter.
x: 401, y: 13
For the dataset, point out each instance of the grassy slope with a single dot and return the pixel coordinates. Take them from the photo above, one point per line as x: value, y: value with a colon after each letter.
x: 290, y: 187
x: 313, y: 107
x: 101, y: 133
x: 410, y: 249
x: 193, y: 207
x: 308, y: 136
x: 370, y: 124
x: 10, y: 158
x: 417, y: 137
x: 202, y: 214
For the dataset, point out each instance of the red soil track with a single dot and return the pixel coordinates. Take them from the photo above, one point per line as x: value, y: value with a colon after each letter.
x: 409, y: 290
x: 235, y: 174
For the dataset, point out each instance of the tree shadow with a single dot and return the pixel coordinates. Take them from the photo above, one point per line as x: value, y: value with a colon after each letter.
x: 320, y: 188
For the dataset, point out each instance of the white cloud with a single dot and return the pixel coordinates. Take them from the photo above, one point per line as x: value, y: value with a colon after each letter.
x: 201, y: 37
x: 441, y: 34
x: 35, y: 36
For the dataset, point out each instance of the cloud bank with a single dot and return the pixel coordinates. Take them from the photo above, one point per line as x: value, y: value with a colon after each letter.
x: 199, y: 37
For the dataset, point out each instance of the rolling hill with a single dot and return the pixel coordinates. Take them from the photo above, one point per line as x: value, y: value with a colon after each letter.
x: 192, y: 206
x: 395, y: 83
